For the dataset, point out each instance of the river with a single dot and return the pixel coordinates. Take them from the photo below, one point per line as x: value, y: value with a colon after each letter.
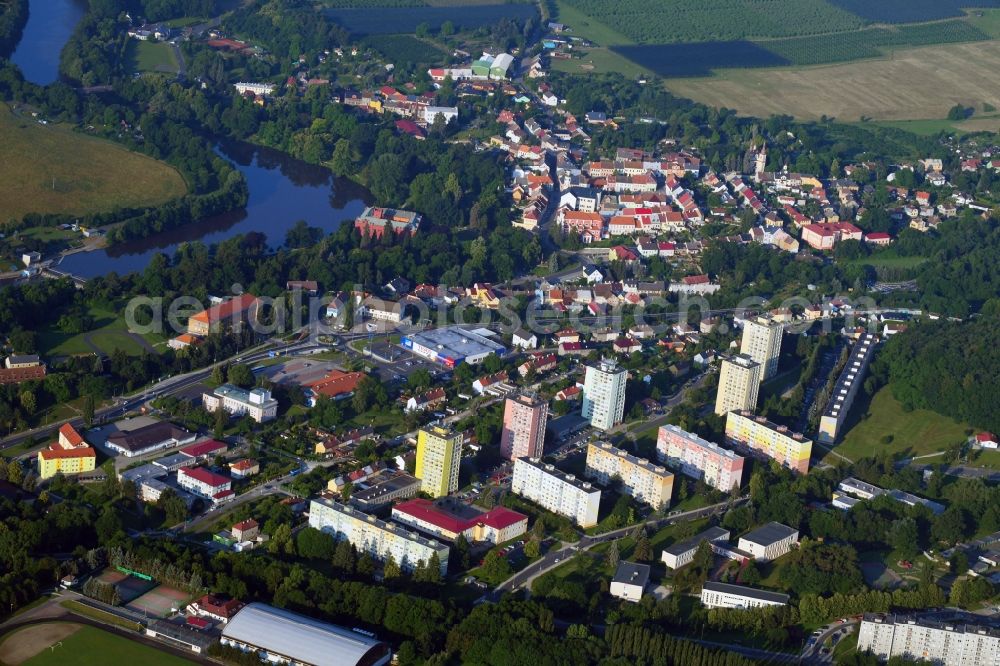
x: 50, y: 24
x: 283, y: 190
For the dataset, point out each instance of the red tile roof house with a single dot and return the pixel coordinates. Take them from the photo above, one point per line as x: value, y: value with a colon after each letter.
x: 826, y: 235
x: 987, y: 440
x: 204, y: 450
x: 205, y: 483
x: 878, y: 238
x: 336, y: 385
x: 495, y: 526
x: 215, y: 606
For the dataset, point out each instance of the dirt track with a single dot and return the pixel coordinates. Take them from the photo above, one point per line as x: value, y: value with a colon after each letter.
x: 25, y: 643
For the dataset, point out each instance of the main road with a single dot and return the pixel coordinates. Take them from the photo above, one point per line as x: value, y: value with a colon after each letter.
x: 555, y: 557
x: 167, y: 386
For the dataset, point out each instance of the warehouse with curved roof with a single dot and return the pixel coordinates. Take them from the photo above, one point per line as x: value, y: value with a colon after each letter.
x: 288, y: 637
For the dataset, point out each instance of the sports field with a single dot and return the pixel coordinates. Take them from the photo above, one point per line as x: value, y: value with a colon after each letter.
x: 52, y: 169
x: 152, y: 57
x: 68, y: 644
x: 129, y: 587
x: 160, y: 601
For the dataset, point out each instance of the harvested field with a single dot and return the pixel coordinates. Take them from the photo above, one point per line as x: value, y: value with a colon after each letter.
x: 917, y: 83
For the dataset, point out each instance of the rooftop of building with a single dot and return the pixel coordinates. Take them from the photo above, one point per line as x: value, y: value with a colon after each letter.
x: 741, y: 360
x: 384, y: 487
x: 227, y: 309
x: 631, y: 573
x: 953, y: 621
x: 565, y: 477
x: 205, y: 476
x: 443, y: 517
x: 635, y: 460
x: 853, y: 372
x: 770, y: 425
x: 455, y: 342
x: 744, y: 591
x: 147, y: 436
x: 61, y: 454
x: 392, y: 528
x: 205, y: 448
x: 772, y: 532
x: 711, y: 534
x: 173, y: 460
x: 300, y: 638
x: 243, y: 395
x: 703, y: 443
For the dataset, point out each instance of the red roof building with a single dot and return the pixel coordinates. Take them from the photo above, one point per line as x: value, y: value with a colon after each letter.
x: 205, y: 449
x: 218, y: 607
x: 411, y: 128
x: 987, y: 440
x: 335, y: 384
x: 495, y: 526
x: 231, y: 311
x: 198, y: 622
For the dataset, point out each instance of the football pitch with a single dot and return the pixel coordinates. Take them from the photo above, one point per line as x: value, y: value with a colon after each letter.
x: 67, y: 644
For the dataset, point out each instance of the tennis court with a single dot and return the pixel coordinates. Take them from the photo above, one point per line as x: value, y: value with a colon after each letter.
x: 159, y: 601
x: 129, y: 587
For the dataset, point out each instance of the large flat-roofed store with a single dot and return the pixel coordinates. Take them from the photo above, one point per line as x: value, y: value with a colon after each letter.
x: 452, y: 345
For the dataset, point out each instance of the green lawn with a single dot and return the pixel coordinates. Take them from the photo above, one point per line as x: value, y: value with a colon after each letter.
x: 985, y: 458
x: 915, y: 433
x: 152, y: 57
x: 922, y: 127
x: 108, y: 333
x: 587, y: 27
x: 93, y: 646
x: 599, y: 61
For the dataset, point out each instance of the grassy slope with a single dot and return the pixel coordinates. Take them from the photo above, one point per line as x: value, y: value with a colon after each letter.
x: 90, y: 174
x: 108, y: 333
x: 917, y: 433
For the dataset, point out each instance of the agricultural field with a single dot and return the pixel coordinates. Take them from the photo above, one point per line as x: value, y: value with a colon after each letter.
x: 401, y: 20
x: 52, y: 169
x: 683, y: 60
x: 406, y: 49
x: 910, y: 11
x: 360, y: 4
x: 666, y: 21
x: 723, y: 45
x: 68, y: 644
x: 921, y: 83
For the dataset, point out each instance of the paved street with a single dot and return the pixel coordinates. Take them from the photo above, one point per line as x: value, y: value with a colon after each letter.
x: 554, y: 557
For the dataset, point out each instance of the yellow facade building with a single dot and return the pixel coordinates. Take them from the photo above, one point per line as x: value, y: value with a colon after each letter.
x: 439, y: 455
x: 70, y: 454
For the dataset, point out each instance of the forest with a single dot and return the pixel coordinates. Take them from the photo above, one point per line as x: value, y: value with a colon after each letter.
x: 13, y: 17
x: 952, y: 368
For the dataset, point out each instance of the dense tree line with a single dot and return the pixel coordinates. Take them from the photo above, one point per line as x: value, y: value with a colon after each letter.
x: 13, y: 17
x: 160, y: 10
x: 948, y: 367
x: 645, y: 645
